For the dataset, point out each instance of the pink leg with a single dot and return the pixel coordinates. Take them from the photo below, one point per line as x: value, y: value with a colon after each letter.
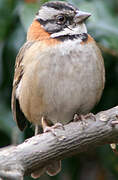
x: 84, y: 117
x: 47, y: 128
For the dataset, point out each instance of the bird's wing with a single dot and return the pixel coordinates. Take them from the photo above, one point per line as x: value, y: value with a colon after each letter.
x: 18, y: 115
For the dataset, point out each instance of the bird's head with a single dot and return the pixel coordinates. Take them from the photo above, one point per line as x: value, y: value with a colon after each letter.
x: 57, y: 19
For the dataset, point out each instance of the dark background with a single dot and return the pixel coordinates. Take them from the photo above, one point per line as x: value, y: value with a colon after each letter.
x: 15, y: 17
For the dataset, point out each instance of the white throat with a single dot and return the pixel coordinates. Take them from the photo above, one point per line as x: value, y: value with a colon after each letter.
x: 70, y: 30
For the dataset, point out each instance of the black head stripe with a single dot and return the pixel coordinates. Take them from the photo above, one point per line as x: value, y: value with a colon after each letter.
x: 59, y: 6
x: 44, y: 22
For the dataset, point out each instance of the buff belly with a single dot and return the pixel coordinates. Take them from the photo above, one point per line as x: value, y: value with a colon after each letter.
x: 69, y: 81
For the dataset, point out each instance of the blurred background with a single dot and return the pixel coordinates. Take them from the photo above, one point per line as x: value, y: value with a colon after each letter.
x: 15, y: 17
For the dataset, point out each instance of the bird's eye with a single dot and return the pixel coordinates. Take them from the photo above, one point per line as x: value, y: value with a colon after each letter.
x: 61, y: 19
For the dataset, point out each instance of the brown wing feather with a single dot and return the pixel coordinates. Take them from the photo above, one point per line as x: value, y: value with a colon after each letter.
x: 18, y: 115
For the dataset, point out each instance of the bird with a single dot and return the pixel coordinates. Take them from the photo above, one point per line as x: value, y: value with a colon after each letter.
x: 59, y: 71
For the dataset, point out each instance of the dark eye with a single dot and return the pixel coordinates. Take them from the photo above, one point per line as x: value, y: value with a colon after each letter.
x: 61, y: 19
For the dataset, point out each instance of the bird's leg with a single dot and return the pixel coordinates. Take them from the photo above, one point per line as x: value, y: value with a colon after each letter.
x: 84, y: 117
x: 47, y: 128
x: 90, y: 115
x: 37, y: 130
x: 80, y: 118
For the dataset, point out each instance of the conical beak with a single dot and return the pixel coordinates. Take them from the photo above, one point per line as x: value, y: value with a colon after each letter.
x: 81, y: 16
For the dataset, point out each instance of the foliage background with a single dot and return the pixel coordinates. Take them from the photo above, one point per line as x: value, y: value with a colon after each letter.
x: 15, y: 17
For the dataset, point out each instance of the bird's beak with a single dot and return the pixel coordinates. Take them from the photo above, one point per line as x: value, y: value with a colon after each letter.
x: 81, y: 16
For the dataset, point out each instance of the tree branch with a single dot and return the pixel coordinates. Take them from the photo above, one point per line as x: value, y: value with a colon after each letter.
x: 77, y: 137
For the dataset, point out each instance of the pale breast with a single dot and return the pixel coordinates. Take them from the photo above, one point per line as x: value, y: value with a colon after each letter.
x: 63, y: 81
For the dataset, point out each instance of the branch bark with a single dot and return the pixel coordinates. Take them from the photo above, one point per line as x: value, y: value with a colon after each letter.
x: 77, y: 137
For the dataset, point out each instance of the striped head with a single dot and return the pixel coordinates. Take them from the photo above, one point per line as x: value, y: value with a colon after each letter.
x: 60, y: 19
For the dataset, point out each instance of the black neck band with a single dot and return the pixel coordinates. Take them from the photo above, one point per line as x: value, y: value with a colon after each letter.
x: 83, y: 37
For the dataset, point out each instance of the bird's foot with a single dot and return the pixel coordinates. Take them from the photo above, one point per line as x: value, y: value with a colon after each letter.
x: 47, y: 128
x: 37, y: 130
x: 80, y: 118
x: 52, y: 128
x: 84, y: 117
x: 90, y: 115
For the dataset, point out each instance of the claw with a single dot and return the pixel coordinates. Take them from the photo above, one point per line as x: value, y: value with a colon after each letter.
x: 78, y: 118
x: 47, y: 128
x: 90, y: 115
x: 84, y: 117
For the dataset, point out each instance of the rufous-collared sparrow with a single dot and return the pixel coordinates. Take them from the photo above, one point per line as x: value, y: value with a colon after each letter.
x: 59, y: 71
